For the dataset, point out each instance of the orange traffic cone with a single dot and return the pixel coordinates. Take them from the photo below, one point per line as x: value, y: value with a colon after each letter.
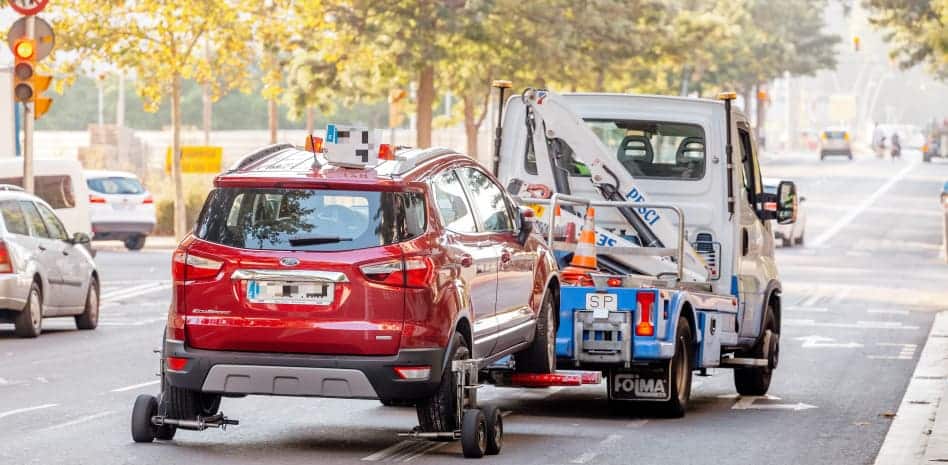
x: 585, y: 254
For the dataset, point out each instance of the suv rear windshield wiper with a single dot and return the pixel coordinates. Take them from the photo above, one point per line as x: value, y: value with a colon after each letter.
x: 316, y: 240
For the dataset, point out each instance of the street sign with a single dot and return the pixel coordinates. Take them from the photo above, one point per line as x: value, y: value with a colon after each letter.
x: 28, y: 7
x: 197, y: 159
x: 42, y: 34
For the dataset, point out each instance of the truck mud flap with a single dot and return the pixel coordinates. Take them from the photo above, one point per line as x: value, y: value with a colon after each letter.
x: 651, y: 383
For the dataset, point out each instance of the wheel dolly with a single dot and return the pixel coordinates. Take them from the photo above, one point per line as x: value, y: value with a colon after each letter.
x: 149, y: 424
x: 481, y: 429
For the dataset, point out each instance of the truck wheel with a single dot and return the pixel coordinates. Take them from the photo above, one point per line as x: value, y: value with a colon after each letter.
x: 135, y: 242
x: 756, y: 381
x: 29, y: 322
x: 437, y: 413
x: 474, y: 434
x: 495, y: 430
x: 145, y: 407
x: 184, y: 404
x: 89, y: 318
x: 540, y: 357
x: 681, y: 373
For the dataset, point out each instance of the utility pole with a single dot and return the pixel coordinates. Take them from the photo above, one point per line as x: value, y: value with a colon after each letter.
x: 28, y: 123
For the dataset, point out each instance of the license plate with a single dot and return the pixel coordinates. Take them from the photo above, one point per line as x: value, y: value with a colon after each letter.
x: 280, y: 292
x: 645, y: 383
x: 601, y: 304
x: 122, y: 206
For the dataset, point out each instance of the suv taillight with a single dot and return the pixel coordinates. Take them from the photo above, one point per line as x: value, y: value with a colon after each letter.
x: 188, y: 267
x: 6, y: 264
x: 410, y: 272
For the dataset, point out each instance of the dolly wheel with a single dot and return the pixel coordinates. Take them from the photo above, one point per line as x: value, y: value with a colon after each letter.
x: 495, y: 430
x: 145, y: 407
x: 473, y: 434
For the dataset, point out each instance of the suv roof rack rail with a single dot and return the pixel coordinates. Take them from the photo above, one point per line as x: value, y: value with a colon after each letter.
x: 257, y: 155
x: 411, y: 158
x: 11, y: 187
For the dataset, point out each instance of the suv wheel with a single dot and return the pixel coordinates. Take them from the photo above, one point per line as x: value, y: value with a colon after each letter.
x: 540, y: 357
x: 438, y: 412
x: 29, y: 323
x: 89, y: 318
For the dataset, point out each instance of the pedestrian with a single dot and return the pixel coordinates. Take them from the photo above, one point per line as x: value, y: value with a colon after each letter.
x: 896, y: 146
x: 878, y: 141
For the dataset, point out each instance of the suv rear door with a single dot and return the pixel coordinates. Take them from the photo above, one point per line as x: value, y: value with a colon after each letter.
x: 298, y: 270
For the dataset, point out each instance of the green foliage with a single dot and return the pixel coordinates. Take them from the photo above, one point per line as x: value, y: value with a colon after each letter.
x: 918, y: 30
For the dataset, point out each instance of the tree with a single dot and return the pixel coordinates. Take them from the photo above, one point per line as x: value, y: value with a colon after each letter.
x: 160, y: 42
x: 918, y: 29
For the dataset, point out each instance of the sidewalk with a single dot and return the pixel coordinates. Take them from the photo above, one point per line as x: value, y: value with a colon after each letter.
x: 161, y: 243
x: 919, y: 433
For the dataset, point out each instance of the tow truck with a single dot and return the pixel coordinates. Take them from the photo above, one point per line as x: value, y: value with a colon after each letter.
x: 684, y: 277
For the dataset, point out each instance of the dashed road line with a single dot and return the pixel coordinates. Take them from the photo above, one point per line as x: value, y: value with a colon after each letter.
x: 136, y: 386
x: 907, y: 351
x: 883, y: 311
x: 135, y: 291
x: 800, y: 308
x: 26, y: 409
x: 585, y: 457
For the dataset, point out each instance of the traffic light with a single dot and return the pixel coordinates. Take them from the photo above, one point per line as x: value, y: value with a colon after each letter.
x: 24, y: 53
x: 856, y: 42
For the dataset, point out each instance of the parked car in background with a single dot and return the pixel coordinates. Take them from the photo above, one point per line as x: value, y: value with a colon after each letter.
x: 793, y: 233
x: 835, y: 142
x: 120, y: 208
x: 58, y: 182
x: 44, y: 272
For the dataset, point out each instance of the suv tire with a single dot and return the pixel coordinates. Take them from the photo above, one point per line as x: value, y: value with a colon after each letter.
x: 29, y: 322
x: 437, y: 413
x: 540, y: 357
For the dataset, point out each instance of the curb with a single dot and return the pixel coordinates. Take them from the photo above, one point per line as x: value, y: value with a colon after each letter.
x: 919, y: 433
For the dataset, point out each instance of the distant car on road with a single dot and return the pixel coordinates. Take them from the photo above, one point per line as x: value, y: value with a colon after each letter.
x: 793, y: 233
x: 120, y: 208
x: 835, y: 142
x: 44, y: 272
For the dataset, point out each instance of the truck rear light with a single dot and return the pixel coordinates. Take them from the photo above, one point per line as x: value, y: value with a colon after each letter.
x: 411, y: 272
x: 645, y: 301
x: 6, y: 263
x: 413, y: 373
x: 546, y: 379
x: 96, y: 199
x: 176, y: 363
x: 574, y: 276
x: 188, y: 267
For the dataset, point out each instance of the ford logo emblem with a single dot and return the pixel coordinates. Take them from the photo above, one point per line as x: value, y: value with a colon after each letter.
x: 289, y: 261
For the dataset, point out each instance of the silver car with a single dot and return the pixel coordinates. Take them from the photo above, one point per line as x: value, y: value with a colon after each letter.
x: 788, y: 234
x: 44, y: 272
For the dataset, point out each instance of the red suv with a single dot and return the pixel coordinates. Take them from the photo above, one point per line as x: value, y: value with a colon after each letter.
x: 304, y: 278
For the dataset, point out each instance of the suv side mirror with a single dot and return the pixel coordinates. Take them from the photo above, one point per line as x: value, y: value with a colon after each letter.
x: 787, y: 202
x: 80, y: 239
x: 527, y: 216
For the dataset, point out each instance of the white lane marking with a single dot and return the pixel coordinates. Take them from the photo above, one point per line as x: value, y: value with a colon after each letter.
x: 637, y: 423
x: 882, y: 311
x: 142, y: 322
x: 853, y: 213
x: 586, y: 457
x: 905, y: 443
x: 810, y: 300
x: 26, y: 409
x: 749, y: 403
x: 125, y: 290
x: 136, y: 386
x: 857, y: 325
x: 906, y: 351
x: 135, y: 292
x: 821, y: 342
x: 842, y: 294
x: 797, y: 308
x: 77, y: 421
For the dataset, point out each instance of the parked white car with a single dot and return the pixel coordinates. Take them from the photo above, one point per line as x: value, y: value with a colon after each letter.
x: 60, y: 184
x: 120, y: 208
x: 793, y: 233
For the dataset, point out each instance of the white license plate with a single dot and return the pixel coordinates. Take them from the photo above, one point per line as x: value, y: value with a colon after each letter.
x: 281, y: 292
x: 601, y: 304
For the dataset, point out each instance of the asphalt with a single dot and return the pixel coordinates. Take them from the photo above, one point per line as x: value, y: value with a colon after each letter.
x: 859, y: 301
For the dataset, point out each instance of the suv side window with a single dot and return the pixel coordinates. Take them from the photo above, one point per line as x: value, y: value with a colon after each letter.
x: 452, y: 204
x: 34, y: 219
x: 55, y: 227
x: 488, y: 199
x: 13, y: 218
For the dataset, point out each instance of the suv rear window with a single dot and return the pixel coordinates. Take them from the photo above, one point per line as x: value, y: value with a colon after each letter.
x: 116, y: 185
x: 310, y: 219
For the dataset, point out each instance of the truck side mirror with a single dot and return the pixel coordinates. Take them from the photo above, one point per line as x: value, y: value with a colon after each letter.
x: 787, y: 202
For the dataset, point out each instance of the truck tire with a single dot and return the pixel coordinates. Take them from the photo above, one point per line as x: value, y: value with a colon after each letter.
x: 681, y: 374
x: 29, y: 322
x: 756, y: 381
x: 437, y: 413
x: 184, y: 404
x: 136, y: 242
x: 89, y: 318
x: 540, y: 357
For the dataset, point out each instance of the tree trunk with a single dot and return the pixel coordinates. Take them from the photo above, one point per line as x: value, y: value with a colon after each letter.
x: 272, y: 119
x: 470, y: 125
x: 206, y: 101
x: 310, y: 120
x: 423, y: 108
x: 180, y: 222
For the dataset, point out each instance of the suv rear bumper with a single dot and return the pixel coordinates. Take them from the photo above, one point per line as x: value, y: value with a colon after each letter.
x: 344, y: 376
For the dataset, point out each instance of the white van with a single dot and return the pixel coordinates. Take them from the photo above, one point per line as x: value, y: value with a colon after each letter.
x: 60, y: 183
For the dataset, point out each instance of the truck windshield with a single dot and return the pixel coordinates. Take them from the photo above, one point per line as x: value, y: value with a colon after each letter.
x: 649, y: 149
x: 310, y: 219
